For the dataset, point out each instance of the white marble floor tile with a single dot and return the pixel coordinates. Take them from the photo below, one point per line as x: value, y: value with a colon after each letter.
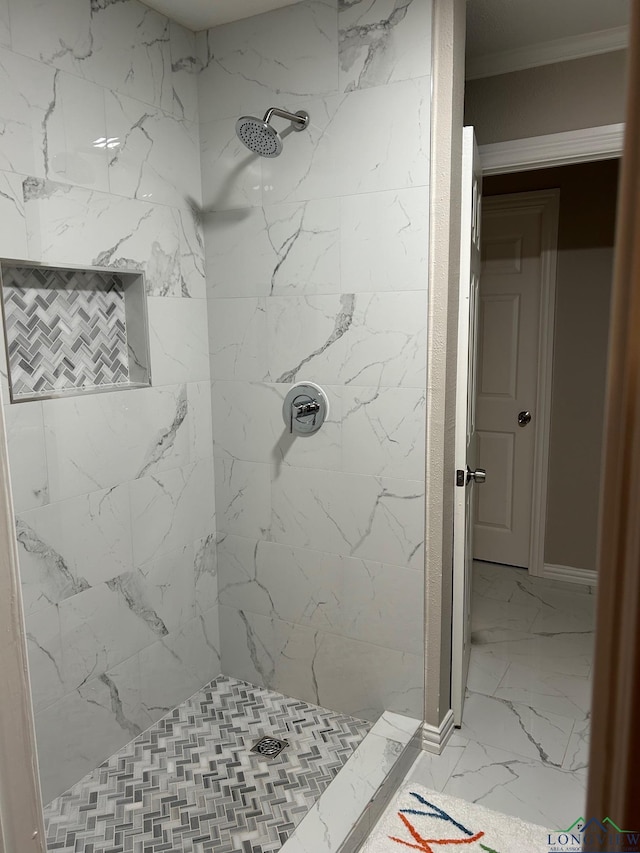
x: 515, y: 785
x: 570, y: 653
x: 561, y: 611
x: 491, y: 613
x: 485, y: 671
x: 528, y: 735
x: 522, y: 729
x: 509, y: 583
x: 564, y: 694
x: 434, y: 771
x: 495, y: 581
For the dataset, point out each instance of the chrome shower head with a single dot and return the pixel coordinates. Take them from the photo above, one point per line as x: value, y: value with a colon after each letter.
x: 260, y: 137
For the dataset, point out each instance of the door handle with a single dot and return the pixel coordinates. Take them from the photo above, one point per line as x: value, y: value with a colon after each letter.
x: 524, y: 418
x: 478, y: 476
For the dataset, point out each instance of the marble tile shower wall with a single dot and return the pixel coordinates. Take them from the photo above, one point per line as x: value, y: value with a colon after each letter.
x: 99, y: 165
x: 317, y: 270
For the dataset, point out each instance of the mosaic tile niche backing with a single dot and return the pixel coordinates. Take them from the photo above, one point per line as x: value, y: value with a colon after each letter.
x: 190, y: 783
x: 72, y: 331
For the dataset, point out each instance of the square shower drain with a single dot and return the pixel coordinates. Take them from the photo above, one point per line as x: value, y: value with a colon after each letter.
x: 269, y: 747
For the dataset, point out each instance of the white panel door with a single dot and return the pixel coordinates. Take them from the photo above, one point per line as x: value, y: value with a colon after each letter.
x: 465, y: 441
x: 508, y: 333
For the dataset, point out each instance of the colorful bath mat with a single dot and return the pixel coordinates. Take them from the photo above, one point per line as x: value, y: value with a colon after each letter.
x: 418, y: 819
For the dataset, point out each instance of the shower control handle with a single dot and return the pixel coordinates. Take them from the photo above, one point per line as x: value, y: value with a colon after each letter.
x: 305, y: 408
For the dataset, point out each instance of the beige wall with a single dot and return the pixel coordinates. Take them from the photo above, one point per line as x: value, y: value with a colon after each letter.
x: 585, y: 265
x: 581, y: 93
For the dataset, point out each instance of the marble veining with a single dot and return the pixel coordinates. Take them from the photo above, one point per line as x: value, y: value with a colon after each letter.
x: 155, y: 157
x: 57, y: 580
x: 25, y: 439
x: 343, y: 322
x: 185, y: 66
x: 116, y: 707
x: 134, y: 599
x: 167, y: 437
x: 80, y: 38
x: 291, y: 52
x: 375, y: 36
x: 5, y: 34
x: 259, y: 647
x: 204, y: 561
x: 293, y: 232
x: 378, y: 41
x: 99, y: 166
x: 319, y: 541
x: 502, y: 780
x: 99, y: 229
x: 333, y: 593
x: 523, y: 745
x: 103, y: 126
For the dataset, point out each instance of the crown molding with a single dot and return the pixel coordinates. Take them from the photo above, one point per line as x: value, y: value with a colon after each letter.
x: 555, y: 149
x: 547, y: 53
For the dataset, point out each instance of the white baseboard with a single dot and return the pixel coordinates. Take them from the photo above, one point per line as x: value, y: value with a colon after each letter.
x: 571, y: 574
x: 434, y: 738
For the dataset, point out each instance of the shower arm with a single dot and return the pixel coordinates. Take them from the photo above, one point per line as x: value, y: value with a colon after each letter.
x: 301, y: 120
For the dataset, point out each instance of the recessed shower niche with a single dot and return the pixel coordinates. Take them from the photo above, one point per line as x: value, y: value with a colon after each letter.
x: 73, y: 331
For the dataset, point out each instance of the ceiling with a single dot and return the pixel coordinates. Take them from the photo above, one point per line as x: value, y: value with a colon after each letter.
x: 502, y: 35
x: 498, y: 27
x: 200, y: 14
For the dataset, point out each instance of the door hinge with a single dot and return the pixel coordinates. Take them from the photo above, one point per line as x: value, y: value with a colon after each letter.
x: 461, y: 477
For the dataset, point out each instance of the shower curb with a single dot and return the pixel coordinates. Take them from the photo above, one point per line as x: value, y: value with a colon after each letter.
x: 346, y: 812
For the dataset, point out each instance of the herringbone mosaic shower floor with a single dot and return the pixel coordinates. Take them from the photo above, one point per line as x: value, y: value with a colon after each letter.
x: 190, y: 784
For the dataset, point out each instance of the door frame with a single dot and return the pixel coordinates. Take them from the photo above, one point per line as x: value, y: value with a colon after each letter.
x: 465, y: 379
x: 555, y: 149
x: 548, y: 202
x: 520, y: 155
x: 614, y: 782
